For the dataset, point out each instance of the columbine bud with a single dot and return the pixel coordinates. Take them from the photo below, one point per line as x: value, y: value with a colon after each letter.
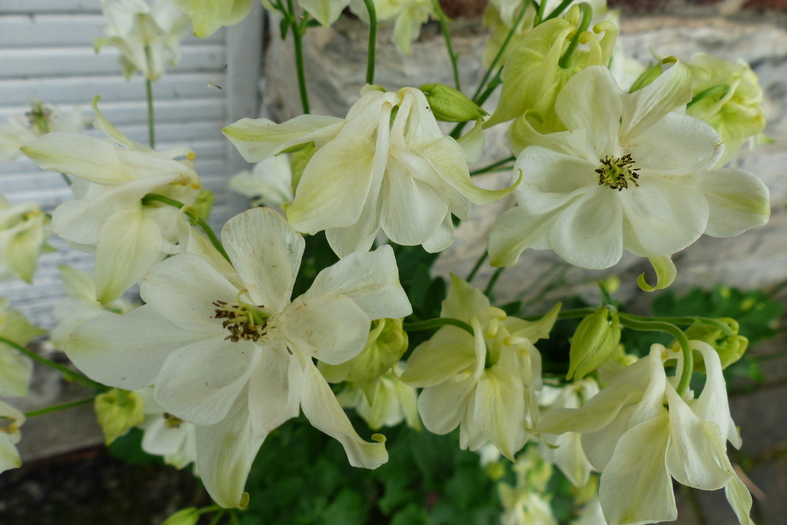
x: 728, y: 96
x: 535, y: 72
x: 595, y: 339
x: 386, y: 343
x: 450, y: 105
x: 118, y: 411
x: 729, y: 347
x: 187, y: 516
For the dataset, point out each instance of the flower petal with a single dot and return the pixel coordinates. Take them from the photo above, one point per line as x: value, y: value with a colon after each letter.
x: 258, y: 139
x: 627, y: 495
x: 225, y: 452
x: 274, y: 389
x: 738, y: 201
x: 78, y: 155
x: 125, y: 351
x: 500, y: 408
x: 443, y: 406
x: 267, y: 253
x: 326, y: 415
x: 463, y: 300
x: 449, y: 352
x: 371, y: 280
x: 515, y: 231
x: 200, y: 382
x: 411, y: 210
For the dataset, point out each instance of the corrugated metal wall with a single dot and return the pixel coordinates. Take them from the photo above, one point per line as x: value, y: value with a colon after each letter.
x: 46, y: 53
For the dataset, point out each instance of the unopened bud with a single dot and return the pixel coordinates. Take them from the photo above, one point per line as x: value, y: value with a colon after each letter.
x: 188, y: 516
x: 729, y: 347
x: 596, y: 338
x: 118, y: 411
x: 450, y: 105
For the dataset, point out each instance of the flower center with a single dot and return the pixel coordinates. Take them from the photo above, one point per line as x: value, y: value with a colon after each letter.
x: 617, y: 172
x: 171, y: 421
x: 244, y: 321
x: 8, y: 425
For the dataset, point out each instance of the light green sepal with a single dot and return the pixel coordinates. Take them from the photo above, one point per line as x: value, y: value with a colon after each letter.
x: 665, y: 273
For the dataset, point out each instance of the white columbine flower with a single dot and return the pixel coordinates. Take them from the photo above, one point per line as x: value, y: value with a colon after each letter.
x: 565, y: 450
x: 631, y: 173
x: 234, y: 357
x: 24, y: 230
x: 79, y: 305
x: 484, y: 383
x: 372, y: 171
x: 166, y: 435
x: 15, y: 368
x: 10, y: 421
x: 40, y: 120
x: 108, y: 215
x: 639, y: 424
x: 269, y: 183
x: 147, y: 35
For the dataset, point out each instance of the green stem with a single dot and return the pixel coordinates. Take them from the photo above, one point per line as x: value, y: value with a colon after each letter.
x: 56, y: 408
x: 451, y: 54
x: 69, y: 374
x: 297, y: 34
x: 496, y: 81
x: 564, y: 314
x: 151, y: 115
x: 559, y: 9
x: 674, y: 331
x: 370, y: 55
x: 721, y: 88
x: 66, y: 178
x: 208, y: 510
x: 493, y: 281
x: 542, y: 6
x: 436, y: 323
x: 155, y: 197
x: 493, y: 166
x: 477, y: 266
x: 499, y: 54
x: 587, y: 13
x: 217, y: 518
x: 234, y: 517
x: 687, y: 320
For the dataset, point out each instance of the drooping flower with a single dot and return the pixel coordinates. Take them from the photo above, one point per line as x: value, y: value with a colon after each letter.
x: 40, y: 120
x: 631, y: 173
x: 166, y: 435
x: 269, y: 183
x: 108, y: 215
x: 79, y: 305
x: 117, y: 412
x: 207, y: 16
x: 147, y: 35
x: 483, y: 383
x: 24, y: 231
x: 729, y: 98
x: 233, y: 354
x: 639, y: 423
x: 372, y: 171
x: 10, y: 421
x: 15, y: 368
x: 407, y: 15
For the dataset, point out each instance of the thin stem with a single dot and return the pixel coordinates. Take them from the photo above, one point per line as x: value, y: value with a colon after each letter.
x: 297, y: 34
x: 721, y: 88
x: 559, y: 9
x: 587, y: 13
x: 540, y: 12
x: 687, y: 320
x: 151, y: 115
x: 370, y: 55
x: 69, y: 374
x: 496, y: 81
x: 565, y: 314
x: 451, y: 54
x: 499, y: 54
x: 477, y: 266
x: 677, y: 333
x: 208, y: 510
x: 66, y: 178
x: 493, y: 166
x: 436, y: 323
x: 151, y: 197
x: 493, y: 281
x: 234, y: 517
x: 217, y: 518
x: 56, y: 408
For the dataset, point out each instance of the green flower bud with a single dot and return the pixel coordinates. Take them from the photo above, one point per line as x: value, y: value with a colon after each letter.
x: 187, y: 516
x: 729, y: 347
x: 594, y: 341
x: 536, y: 71
x: 204, y: 203
x: 728, y: 96
x: 387, y: 342
x: 118, y: 411
x: 450, y: 105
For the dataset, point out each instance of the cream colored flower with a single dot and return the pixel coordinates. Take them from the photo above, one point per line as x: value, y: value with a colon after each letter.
x: 40, y: 120
x: 372, y: 172
x: 10, y: 421
x: 15, y: 368
x: 147, y: 35
x: 207, y: 16
x: 24, y: 230
x: 108, y: 215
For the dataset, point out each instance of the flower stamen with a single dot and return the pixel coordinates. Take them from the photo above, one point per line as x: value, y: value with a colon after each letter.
x: 244, y: 321
x: 617, y: 172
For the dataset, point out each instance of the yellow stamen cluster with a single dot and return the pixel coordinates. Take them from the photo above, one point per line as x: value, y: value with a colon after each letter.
x: 171, y: 421
x: 617, y: 172
x: 244, y: 321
